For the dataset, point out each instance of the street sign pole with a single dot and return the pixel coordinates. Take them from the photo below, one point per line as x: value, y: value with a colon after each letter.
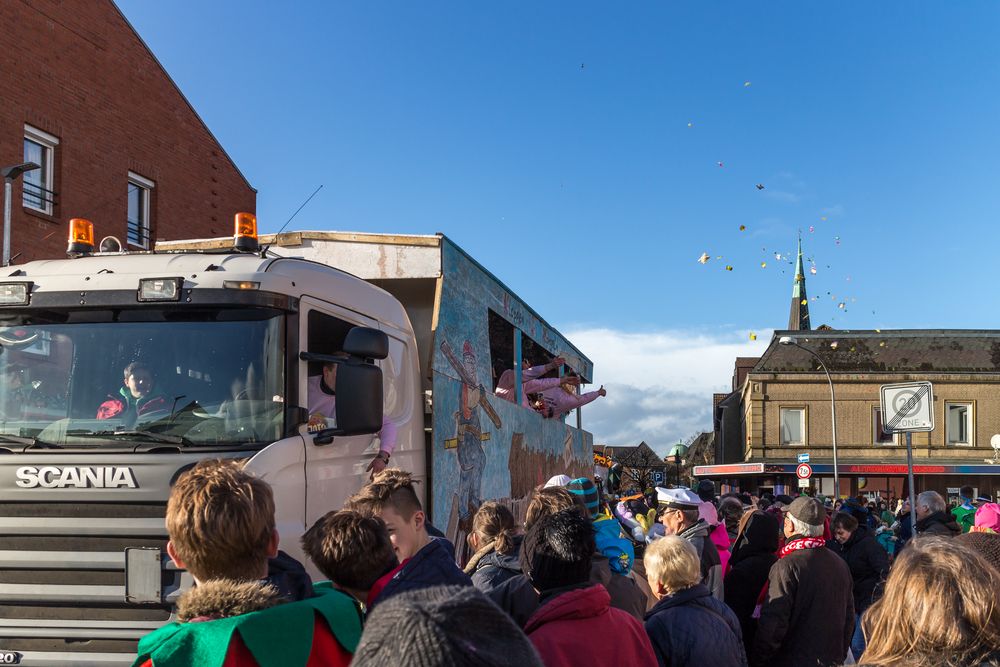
x: 909, y: 476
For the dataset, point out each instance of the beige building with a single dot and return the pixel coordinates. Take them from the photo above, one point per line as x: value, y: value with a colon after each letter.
x: 781, y: 409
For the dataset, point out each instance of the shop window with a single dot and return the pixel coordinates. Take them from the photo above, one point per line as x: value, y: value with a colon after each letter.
x: 959, y: 424
x: 793, y: 426
x: 38, y: 186
x: 879, y: 435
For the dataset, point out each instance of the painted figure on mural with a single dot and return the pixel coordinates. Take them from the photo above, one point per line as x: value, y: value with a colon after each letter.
x: 471, y: 455
x: 469, y: 435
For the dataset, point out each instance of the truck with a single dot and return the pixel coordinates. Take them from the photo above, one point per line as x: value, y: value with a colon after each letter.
x: 228, y: 333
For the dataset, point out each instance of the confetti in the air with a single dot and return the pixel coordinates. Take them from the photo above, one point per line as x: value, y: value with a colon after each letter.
x: 760, y: 186
x: 811, y: 229
x: 743, y: 228
x: 763, y: 265
x: 753, y: 336
x: 812, y: 270
x: 836, y: 239
x: 704, y: 258
x: 746, y: 84
x: 833, y: 345
x: 805, y: 302
x: 690, y: 124
x: 841, y: 305
x: 777, y: 256
x: 720, y: 164
x: 729, y: 267
x: 881, y: 343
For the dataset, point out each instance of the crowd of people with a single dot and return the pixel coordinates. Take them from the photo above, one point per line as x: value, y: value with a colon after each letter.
x: 672, y: 577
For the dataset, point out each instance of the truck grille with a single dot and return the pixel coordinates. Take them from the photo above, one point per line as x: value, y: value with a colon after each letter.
x: 62, y: 580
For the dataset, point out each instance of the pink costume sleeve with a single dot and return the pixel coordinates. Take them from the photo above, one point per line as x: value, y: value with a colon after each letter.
x: 533, y: 373
x: 505, y: 386
x: 387, y: 435
x: 570, y: 403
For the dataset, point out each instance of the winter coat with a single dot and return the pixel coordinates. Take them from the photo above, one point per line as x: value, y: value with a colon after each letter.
x: 517, y: 597
x: 489, y: 568
x: 939, y: 523
x: 905, y: 528
x: 125, y: 406
x: 580, y: 627
x: 754, y: 553
x: 624, y: 591
x: 720, y: 538
x: 431, y: 566
x: 808, y: 616
x: 711, y: 564
x: 679, y: 627
x: 869, y: 566
x: 249, y: 624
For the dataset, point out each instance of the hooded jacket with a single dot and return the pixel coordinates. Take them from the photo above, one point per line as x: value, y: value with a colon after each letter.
x: 807, y: 619
x: 431, y: 566
x: 938, y: 523
x: 518, y: 598
x: 124, y: 404
x: 869, y: 565
x: 573, y: 627
x: 679, y: 624
x: 489, y: 568
x: 225, y: 623
x: 711, y: 565
x: 753, y: 555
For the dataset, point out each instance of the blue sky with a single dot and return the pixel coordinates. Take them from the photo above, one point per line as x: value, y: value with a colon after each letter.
x: 552, y: 141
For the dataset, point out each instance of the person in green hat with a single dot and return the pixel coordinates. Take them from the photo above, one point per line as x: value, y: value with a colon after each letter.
x: 220, y: 520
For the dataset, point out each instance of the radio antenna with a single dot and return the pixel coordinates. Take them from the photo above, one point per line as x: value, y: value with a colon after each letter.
x: 263, y: 252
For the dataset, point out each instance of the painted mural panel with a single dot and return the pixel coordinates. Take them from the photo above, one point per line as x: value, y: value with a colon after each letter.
x: 487, y: 448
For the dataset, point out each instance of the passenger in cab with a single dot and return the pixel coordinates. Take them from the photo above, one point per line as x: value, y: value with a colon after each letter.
x: 323, y: 405
x: 136, y: 398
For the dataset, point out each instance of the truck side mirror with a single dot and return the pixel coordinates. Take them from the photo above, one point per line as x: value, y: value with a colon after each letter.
x: 359, y: 383
x: 366, y: 343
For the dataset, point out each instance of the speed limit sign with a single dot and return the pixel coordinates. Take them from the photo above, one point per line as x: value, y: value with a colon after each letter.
x: 804, y: 471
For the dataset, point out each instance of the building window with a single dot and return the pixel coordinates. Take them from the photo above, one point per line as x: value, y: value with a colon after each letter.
x: 793, y: 426
x: 958, y: 425
x: 38, y: 186
x: 879, y: 435
x: 139, y: 190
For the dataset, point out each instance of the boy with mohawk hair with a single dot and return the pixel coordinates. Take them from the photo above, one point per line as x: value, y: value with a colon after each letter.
x: 220, y: 520
x: 424, y: 560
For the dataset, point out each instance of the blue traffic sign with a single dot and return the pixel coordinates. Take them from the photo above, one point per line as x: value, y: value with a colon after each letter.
x: 804, y: 458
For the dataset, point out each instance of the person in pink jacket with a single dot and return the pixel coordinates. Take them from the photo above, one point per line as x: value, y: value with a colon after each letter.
x: 557, y: 402
x: 532, y: 381
x: 718, y: 533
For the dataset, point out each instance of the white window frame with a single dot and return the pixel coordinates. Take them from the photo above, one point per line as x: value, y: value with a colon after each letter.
x: 802, y: 425
x: 48, y: 143
x: 145, y: 187
x: 971, y: 405
x: 875, y: 441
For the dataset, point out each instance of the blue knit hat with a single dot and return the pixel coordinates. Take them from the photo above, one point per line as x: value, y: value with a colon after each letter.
x: 585, y: 489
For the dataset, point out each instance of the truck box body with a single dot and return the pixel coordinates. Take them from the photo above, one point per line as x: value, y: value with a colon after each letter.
x: 83, y: 569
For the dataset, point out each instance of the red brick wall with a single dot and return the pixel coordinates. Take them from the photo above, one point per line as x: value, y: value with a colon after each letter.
x: 75, y: 69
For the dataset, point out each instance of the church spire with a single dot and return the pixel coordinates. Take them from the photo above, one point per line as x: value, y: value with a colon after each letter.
x: 798, y: 318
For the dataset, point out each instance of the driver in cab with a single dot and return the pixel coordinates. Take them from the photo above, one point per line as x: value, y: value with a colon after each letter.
x: 135, y: 398
x: 323, y: 407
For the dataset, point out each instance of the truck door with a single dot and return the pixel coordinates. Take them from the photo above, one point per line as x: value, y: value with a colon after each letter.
x: 336, y: 470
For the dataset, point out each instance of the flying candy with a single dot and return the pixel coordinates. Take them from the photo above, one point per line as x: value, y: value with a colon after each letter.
x: 746, y: 84
x: 753, y: 336
x: 720, y: 164
x: 811, y: 229
x: 805, y: 302
x: 704, y: 258
x: 760, y: 186
x: 812, y: 270
x: 743, y: 228
x: 841, y: 305
x: 833, y: 345
x: 763, y: 265
x: 729, y: 267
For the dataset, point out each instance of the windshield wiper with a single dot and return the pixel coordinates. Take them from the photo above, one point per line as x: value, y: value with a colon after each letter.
x: 28, y: 442
x: 150, y: 435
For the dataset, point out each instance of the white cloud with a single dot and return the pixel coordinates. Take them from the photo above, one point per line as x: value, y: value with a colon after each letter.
x: 659, y: 383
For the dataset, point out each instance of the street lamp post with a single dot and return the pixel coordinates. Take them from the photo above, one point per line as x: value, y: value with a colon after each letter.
x: 11, y: 174
x: 790, y: 340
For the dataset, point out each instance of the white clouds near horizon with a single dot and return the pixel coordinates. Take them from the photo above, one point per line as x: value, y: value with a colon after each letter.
x: 660, y: 383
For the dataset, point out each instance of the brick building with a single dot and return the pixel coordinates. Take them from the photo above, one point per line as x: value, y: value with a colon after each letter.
x: 118, y: 143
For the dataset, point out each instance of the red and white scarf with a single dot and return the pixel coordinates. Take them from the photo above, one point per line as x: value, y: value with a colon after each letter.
x: 798, y: 544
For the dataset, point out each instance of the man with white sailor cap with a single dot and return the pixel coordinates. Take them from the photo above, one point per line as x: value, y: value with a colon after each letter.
x: 677, y: 510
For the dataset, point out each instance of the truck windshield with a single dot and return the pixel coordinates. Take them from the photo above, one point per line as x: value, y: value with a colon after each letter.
x: 194, y: 378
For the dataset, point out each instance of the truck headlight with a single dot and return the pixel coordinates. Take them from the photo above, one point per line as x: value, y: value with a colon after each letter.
x: 160, y: 289
x: 15, y: 294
